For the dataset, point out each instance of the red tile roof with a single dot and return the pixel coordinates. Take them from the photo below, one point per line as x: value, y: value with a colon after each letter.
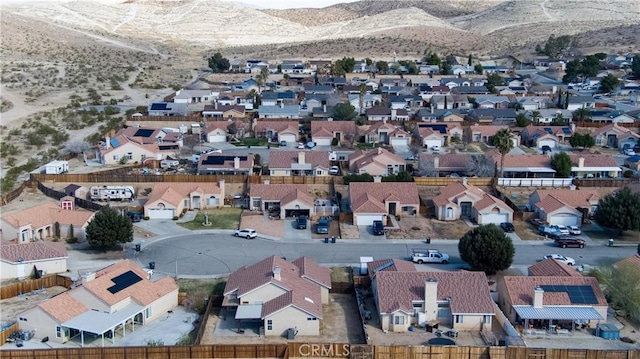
x: 46, y: 214
x: 280, y: 192
x: 448, y: 160
x: 376, y: 194
x: 389, y: 265
x: 378, y: 156
x: 528, y: 160
x: 175, y: 192
x: 329, y: 128
x: 573, y: 198
x: 487, y: 130
x: 593, y: 160
x: 553, y: 268
x: 469, y: 291
x: 519, y: 289
x: 278, y: 126
x: 631, y: 261
x: 63, y: 307
x: 31, y: 251
x: 482, y: 200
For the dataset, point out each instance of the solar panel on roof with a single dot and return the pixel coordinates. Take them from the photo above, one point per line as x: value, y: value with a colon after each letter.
x: 158, y: 106
x: 143, y: 132
x: 549, y: 130
x: 168, y: 147
x: 218, y: 160
x: 578, y: 294
x: 124, y: 281
x: 114, y: 142
x: 566, y: 130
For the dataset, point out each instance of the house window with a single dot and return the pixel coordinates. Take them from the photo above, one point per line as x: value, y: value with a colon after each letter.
x: 148, y: 312
x: 58, y: 332
x: 318, y: 172
x: 23, y: 319
x: 458, y: 318
x: 130, y: 155
x: 399, y: 320
x: 312, y: 318
x: 115, y: 157
x: 186, y: 203
x: 269, y: 324
x: 486, y: 319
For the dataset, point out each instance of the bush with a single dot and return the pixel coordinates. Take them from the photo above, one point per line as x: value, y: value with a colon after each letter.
x: 334, y: 142
x: 175, y: 218
x: 146, y: 218
x: 627, y: 174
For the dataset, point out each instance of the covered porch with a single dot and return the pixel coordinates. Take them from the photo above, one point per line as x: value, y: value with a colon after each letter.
x: 101, y: 324
x: 559, y: 320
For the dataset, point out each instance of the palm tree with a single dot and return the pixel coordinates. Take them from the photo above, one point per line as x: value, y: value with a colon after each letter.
x: 536, y: 116
x: 503, y: 143
x: 582, y: 114
x: 261, y: 78
x: 362, y: 91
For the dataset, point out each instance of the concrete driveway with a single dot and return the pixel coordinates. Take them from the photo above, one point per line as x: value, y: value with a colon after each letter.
x: 366, y: 233
x: 293, y: 234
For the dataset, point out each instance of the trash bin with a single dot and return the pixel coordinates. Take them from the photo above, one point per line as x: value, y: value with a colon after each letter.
x: 333, y: 239
x: 326, y: 239
x: 138, y: 247
x: 610, y: 242
x: 428, y: 240
x: 152, y: 265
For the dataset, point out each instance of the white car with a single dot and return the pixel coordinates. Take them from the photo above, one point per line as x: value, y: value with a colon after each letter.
x: 575, y: 230
x: 562, y: 229
x: 301, y: 145
x: 334, y: 170
x: 247, y: 233
x: 435, y: 148
x: 629, y: 152
x: 560, y: 258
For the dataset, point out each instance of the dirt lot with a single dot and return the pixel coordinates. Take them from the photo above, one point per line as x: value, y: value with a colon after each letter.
x: 340, y: 324
x: 11, y: 307
x: 420, y: 227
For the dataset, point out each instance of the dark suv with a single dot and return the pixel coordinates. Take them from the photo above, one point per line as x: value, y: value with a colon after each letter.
x: 378, y: 228
x: 566, y: 241
x: 301, y: 222
x: 507, y: 227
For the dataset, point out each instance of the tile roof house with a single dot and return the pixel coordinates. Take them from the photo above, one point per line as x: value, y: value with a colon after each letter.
x: 226, y: 163
x: 279, y: 111
x: 386, y: 133
x: 374, y: 201
x: 299, y: 163
x: 290, y: 199
x: 552, y: 136
x: 495, y: 116
x: 376, y: 162
x: 368, y: 101
x: 389, y: 265
x: 462, y: 200
x: 594, y: 166
x: 633, y: 262
x: 381, y: 113
x: 111, y: 300
x: 633, y: 162
x: 323, y: 132
x: 171, y: 199
x: 564, y: 206
x: 277, y: 131
x: 524, y: 166
x: 38, y: 222
x: 223, y: 111
x: 446, y: 130
x: 282, y: 294
x: 553, y: 268
x: 429, y: 137
x: 484, y: 133
x: 216, y: 131
x: 138, y: 144
x: 611, y: 135
x: 21, y: 260
x: 194, y: 96
x: 563, y: 299
x: 460, y: 300
x: 446, y: 163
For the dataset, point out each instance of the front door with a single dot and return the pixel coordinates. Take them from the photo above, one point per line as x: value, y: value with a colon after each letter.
x: 392, y: 208
x: 465, y: 209
x: 196, y: 202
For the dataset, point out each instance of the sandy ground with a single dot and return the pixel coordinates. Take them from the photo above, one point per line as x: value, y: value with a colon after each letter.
x: 12, y: 306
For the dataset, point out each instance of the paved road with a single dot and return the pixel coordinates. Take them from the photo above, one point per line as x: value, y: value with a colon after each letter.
x: 210, y: 255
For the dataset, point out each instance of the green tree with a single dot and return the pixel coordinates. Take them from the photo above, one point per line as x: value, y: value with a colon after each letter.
x: 217, y: 63
x: 635, y: 67
x: 487, y: 248
x: 582, y: 140
x: 619, y: 211
x: 445, y: 68
x: 503, y: 143
x: 572, y: 70
x: 478, y: 69
x: 382, y: 66
x: 343, y: 66
x: 609, y: 84
x: 536, y: 116
x: 343, y: 112
x: 470, y: 60
x: 582, y: 114
x: 554, y: 45
x: 494, y: 80
x: 261, y: 78
x: 432, y: 58
x: 561, y: 163
x: 522, y: 120
x: 620, y: 285
x: 109, y: 228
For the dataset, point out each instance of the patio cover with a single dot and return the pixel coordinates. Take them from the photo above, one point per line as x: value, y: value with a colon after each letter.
x: 250, y: 311
x: 557, y: 313
x: 529, y: 169
x: 96, y: 322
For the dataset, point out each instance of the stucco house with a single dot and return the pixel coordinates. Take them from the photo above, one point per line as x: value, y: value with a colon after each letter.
x: 375, y: 201
x: 615, y: 136
x: 382, y: 113
x: 299, y: 163
x: 195, y: 96
x: 376, y: 162
x: 446, y: 131
x: 38, y: 222
x: 292, y: 200
x: 388, y: 134
x: 446, y: 163
x: 279, y: 111
x: 323, y: 132
x: 524, y: 166
x: 458, y: 300
x: 138, y: 144
x: 594, y: 166
x: 216, y: 131
x: 462, y: 200
x: 282, y: 295
x: 564, y: 206
x: 169, y: 200
x: 552, y: 300
x: 220, y: 111
x: 21, y: 260
x: 277, y: 131
x: 430, y: 138
x: 552, y: 136
x: 226, y: 163
x: 109, y: 304
x: 553, y: 268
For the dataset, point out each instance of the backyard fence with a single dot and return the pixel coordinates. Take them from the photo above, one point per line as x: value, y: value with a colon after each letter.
x: 203, y: 321
x: 445, y: 181
x: 13, y: 194
x: 28, y: 286
x: 535, y: 182
x: 7, y: 331
x: 603, y: 182
x: 79, y: 202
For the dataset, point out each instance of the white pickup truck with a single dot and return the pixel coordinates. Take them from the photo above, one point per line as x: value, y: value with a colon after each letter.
x: 429, y: 256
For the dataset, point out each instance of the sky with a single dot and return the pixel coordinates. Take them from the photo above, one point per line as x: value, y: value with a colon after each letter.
x: 289, y: 4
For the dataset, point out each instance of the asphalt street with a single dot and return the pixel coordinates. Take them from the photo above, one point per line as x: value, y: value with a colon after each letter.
x: 213, y: 255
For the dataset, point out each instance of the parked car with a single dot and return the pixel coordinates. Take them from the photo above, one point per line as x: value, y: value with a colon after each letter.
x: 565, y: 242
x: 629, y: 152
x: 248, y: 233
x: 545, y: 149
x: 435, y: 148
x: 507, y: 227
x: 301, y: 145
x: 274, y: 213
x: 334, y: 170
x: 135, y: 216
x: 410, y: 158
x: 560, y: 258
x: 323, y: 226
x: 564, y: 230
x: 301, y: 222
x: 549, y: 231
x: 378, y: 228
x: 283, y: 143
x: 575, y: 230
x: 429, y: 256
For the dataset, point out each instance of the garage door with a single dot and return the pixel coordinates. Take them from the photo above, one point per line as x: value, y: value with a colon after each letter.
x: 160, y: 213
x: 566, y: 219
x: 495, y: 218
x: 431, y: 143
x: 217, y: 138
x: 296, y: 212
x: 322, y: 141
x: 399, y: 141
x: 550, y: 143
x: 367, y: 219
x: 289, y: 137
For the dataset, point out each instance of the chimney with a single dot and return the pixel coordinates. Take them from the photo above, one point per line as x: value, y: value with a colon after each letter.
x: 236, y: 162
x: 431, y: 299
x: 107, y: 141
x: 377, y: 179
x: 394, y: 114
x: 88, y: 277
x: 276, y: 273
x: 581, y: 162
x: 436, y: 162
x: 537, y: 297
x: 301, y: 157
x: 464, y: 180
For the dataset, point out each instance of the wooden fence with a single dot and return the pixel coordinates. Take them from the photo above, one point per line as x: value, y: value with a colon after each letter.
x: 203, y: 321
x: 319, y: 350
x: 13, y: 194
x: 602, y: 124
x: 291, y: 179
x: 445, y: 181
x: 102, y: 177
x: 604, y: 182
x: 27, y: 286
x: 6, y: 332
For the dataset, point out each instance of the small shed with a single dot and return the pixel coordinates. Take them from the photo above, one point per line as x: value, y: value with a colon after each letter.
x: 56, y: 167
